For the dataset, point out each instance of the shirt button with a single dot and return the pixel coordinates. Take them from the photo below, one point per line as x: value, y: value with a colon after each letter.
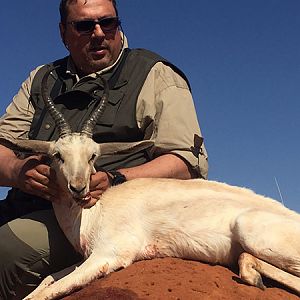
x: 47, y: 126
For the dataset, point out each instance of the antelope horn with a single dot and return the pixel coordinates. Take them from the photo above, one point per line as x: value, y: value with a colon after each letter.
x: 88, y: 126
x: 62, y: 125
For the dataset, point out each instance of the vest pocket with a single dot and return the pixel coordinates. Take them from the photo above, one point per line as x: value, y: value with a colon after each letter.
x: 110, y: 113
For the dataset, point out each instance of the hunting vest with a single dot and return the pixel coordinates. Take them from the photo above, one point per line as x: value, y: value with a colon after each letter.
x: 77, y: 101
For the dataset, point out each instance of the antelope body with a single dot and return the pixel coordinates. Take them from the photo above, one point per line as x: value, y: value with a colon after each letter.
x: 196, y: 219
x: 145, y: 218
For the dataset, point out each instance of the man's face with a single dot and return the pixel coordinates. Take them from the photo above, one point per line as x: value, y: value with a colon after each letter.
x: 94, y: 51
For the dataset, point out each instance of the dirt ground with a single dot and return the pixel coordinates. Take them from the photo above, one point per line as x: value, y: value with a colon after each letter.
x: 177, y: 279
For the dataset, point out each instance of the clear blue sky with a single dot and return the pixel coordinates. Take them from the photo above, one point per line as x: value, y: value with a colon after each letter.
x: 242, y: 58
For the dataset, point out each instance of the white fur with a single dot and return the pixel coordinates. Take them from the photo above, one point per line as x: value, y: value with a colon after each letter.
x: 200, y: 220
x: 192, y: 219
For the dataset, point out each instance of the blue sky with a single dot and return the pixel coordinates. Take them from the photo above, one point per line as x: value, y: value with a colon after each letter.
x: 242, y: 58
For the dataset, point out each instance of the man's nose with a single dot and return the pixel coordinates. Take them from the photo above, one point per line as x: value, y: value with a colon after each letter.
x: 98, y: 31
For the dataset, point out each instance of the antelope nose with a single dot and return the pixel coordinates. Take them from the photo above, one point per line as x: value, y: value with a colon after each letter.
x: 77, y: 189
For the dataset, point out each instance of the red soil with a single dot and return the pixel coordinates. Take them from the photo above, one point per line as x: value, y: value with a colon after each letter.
x: 176, y: 279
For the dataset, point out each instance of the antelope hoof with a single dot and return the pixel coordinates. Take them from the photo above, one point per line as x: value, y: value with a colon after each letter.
x: 248, y: 271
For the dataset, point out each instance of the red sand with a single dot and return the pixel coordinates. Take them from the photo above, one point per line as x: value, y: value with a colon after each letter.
x: 176, y: 279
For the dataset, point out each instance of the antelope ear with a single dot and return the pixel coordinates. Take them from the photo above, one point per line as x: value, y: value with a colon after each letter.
x: 27, y: 146
x: 107, y: 149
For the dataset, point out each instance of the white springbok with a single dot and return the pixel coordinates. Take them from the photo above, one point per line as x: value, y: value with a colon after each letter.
x: 146, y: 218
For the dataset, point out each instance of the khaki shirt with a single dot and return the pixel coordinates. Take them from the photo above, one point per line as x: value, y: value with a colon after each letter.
x: 165, y: 100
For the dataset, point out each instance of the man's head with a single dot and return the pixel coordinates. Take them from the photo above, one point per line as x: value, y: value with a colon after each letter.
x: 95, y: 44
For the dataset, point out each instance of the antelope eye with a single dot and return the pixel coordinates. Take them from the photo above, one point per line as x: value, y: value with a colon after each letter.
x: 57, y: 155
x: 93, y: 157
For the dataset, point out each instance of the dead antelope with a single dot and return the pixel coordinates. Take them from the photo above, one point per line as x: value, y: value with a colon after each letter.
x: 145, y: 218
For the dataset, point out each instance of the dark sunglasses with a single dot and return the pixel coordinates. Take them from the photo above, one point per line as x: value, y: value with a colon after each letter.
x: 88, y: 26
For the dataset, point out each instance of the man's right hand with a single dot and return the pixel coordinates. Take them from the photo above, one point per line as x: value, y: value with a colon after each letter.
x: 37, y: 178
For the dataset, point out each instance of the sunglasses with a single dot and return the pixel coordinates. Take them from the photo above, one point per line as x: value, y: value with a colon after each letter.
x: 88, y: 26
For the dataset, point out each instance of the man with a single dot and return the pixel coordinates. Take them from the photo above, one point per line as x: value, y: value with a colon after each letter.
x: 149, y: 99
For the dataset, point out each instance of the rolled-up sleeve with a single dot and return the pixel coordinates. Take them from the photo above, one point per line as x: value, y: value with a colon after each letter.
x: 16, y: 121
x: 166, y: 113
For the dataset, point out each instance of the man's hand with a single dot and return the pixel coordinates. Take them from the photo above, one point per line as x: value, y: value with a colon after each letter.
x: 36, y: 178
x: 98, y: 185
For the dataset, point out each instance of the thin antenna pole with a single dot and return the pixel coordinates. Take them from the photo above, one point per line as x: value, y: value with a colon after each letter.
x: 278, y: 188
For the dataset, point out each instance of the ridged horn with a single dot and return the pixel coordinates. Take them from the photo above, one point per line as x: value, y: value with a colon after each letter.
x: 62, y: 125
x: 88, y: 126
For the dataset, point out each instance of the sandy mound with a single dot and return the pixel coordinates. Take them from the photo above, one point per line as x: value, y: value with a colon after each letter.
x: 177, y: 279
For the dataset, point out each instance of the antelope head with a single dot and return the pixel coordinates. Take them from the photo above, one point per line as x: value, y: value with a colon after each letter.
x: 73, y: 154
